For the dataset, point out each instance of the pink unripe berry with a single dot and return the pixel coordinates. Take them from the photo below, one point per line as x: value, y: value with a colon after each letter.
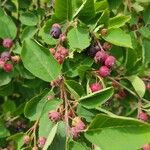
x: 41, y: 142
x: 96, y: 87
x: 15, y: 59
x: 146, y: 147
x: 5, y: 56
x: 110, y: 61
x: 7, y: 67
x: 122, y: 94
x: 54, y: 116
x: 148, y: 86
x: 104, y: 71
x: 52, y: 51
x: 100, y: 56
x: 7, y: 43
x: 143, y: 116
x: 78, y: 123
x: 62, y: 37
x: 26, y: 139
x: 2, y: 63
x: 75, y: 132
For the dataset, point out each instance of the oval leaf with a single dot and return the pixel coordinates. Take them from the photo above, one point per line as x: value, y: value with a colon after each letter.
x: 39, y: 61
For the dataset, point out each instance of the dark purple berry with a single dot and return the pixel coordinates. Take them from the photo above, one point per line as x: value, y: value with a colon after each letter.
x: 7, y: 43
x: 5, y: 56
x: 56, y: 31
x: 92, y: 50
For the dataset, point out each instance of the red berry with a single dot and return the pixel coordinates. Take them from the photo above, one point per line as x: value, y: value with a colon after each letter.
x: 78, y: 123
x: 146, y: 147
x: 5, y: 56
x: 143, y: 116
x: 62, y: 37
x: 110, y: 61
x: 26, y: 139
x: 104, y: 71
x: 96, y: 87
x: 54, y: 116
x: 100, y: 56
x: 122, y: 94
x: 148, y: 86
x: 7, y: 43
x: 41, y: 142
x: 7, y: 67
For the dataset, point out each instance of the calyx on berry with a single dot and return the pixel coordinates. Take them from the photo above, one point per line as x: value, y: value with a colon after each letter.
x: 56, y: 31
x: 96, y: 87
x: 7, y: 43
x: 54, y: 116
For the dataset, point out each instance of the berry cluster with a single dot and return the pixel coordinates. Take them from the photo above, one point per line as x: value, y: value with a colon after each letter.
x: 60, y: 53
x: 107, y: 62
x: 77, y: 127
x: 6, y: 60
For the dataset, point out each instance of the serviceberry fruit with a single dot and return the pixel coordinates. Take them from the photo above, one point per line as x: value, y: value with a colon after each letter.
x: 15, y: 59
x: 121, y: 94
x: 110, y: 61
x: 78, y: 123
x: 148, y: 86
x: 104, y: 32
x: 107, y: 46
x: 54, y: 116
x: 143, y: 116
x: 62, y: 37
x: 52, y: 51
x: 7, y: 67
x: 35, y: 148
x: 7, y: 43
x: 56, y: 31
x: 2, y: 63
x: 75, y: 132
x: 104, y: 71
x: 146, y: 147
x: 92, y: 50
x: 100, y: 56
x: 5, y: 56
x: 26, y: 139
x: 96, y: 87
x: 41, y: 142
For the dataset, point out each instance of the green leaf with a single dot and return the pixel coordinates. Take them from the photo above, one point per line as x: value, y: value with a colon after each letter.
x: 121, y: 132
x: 96, y: 99
x: 101, y: 5
x: 138, y: 7
x: 146, y: 44
x: 60, y: 138
x: 7, y: 27
x: 50, y: 137
x: 39, y: 105
x: 28, y: 32
x: 9, y: 106
x: 5, y: 78
x: 39, y: 61
x: 78, y: 39
x: 145, y: 32
x: 45, y: 125
x: 146, y: 15
x: 118, y: 21
x: 18, y: 138
x: 3, y: 131
x: 28, y: 18
x: 114, y: 4
x: 118, y: 37
x: 138, y: 85
x: 86, y: 11
x: 75, y: 88
x: 76, y: 146
x: 63, y: 9
x: 44, y: 33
